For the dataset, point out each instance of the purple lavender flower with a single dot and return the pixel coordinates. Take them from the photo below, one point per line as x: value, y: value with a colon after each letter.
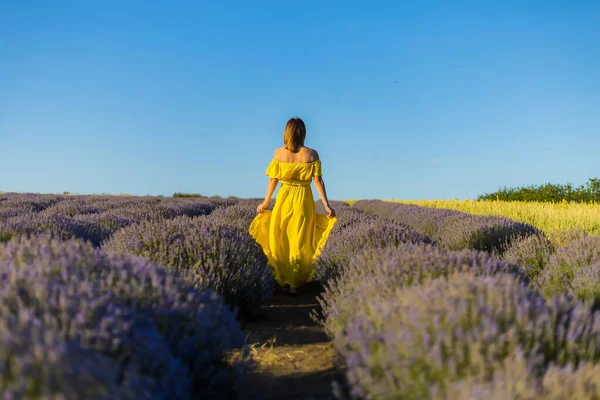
x: 207, y: 251
x: 564, y: 265
x: 128, y: 328
x: 417, y: 341
x: 354, y: 232
x: 452, y: 229
x: 531, y: 252
x: 586, y: 282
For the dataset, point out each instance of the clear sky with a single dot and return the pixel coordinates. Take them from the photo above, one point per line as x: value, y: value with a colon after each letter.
x: 407, y: 100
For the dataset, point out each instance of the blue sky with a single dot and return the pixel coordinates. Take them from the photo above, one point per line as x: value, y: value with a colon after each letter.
x: 401, y: 99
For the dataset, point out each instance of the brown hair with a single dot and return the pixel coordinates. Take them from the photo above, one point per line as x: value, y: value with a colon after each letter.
x: 294, y: 134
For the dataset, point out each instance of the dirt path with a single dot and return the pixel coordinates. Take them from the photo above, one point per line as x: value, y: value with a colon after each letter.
x: 294, y: 357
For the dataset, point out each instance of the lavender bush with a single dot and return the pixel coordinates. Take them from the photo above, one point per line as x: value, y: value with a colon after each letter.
x: 28, y: 201
x: 586, y: 283
x: 379, y: 273
x: 426, y: 337
x: 37, y: 363
x: 346, y: 215
x: 14, y: 211
x: 139, y: 212
x: 207, y: 251
x: 123, y: 326
x: 513, y: 379
x: 108, y: 222
x: 451, y: 229
x: 190, y: 207
x: 564, y: 265
x: 566, y: 237
x: 531, y: 252
x: 93, y: 218
x: 354, y: 232
x: 58, y: 226
x: 419, y: 218
x: 579, y: 382
x: 73, y: 206
x: 239, y: 215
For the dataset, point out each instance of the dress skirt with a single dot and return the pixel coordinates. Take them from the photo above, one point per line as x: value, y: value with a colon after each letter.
x: 292, y: 235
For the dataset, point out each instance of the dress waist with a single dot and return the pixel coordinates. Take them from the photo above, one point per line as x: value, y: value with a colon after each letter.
x: 295, y: 183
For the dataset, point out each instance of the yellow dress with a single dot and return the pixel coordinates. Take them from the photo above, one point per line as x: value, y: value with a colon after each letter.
x: 293, y: 234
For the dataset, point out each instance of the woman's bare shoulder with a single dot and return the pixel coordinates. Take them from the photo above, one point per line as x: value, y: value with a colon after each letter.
x: 313, y: 155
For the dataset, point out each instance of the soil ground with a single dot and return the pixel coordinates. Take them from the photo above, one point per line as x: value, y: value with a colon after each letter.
x: 294, y: 358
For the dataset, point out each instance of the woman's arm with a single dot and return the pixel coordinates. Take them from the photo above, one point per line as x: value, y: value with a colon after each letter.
x: 320, y: 185
x: 271, y: 186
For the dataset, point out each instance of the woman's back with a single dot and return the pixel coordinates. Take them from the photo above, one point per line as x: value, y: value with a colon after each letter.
x: 303, y: 155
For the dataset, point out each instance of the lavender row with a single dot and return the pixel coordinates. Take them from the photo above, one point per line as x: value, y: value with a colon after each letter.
x: 92, y: 218
x: 452, y: 229
x: 573, y: 269
x: 415, y: 320
x: 355, y: 231
x: 215, y: 252
x: 68, y: 205
x: 423, y: 322
x: 211, y: 251
x: 77, y: 322
x: 380, y: 272
x: 513, y: 379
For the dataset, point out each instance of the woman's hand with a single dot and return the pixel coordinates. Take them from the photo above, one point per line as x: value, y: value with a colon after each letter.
x: 261, y: 207
x: 330, y: 211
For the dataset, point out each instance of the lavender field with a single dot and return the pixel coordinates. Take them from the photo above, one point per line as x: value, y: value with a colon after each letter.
x: 145, y: 297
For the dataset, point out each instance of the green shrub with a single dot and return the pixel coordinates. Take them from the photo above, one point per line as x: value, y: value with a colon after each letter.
x: 590, y: 192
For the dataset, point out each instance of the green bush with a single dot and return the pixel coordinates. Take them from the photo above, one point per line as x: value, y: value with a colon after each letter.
x: 590, y: 192
x: 177, y: 194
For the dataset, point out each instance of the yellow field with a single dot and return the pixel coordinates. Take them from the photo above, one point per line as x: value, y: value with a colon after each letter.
x: 553, y: 219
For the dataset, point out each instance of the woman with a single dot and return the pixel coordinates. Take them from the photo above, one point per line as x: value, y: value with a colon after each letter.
x: 293, y: 234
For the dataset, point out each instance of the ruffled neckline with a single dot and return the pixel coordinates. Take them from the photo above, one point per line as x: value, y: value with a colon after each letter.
x: 299, y: 163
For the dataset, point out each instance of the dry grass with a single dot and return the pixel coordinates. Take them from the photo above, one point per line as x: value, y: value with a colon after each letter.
x: 555, y: 219
x: 264, y: 355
